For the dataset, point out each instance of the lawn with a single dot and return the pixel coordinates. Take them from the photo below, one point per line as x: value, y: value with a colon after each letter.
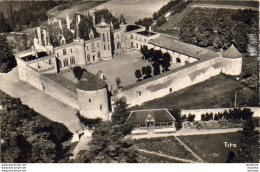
x: 212, y: 93
x: 122, y: 66
x: 167, y: 145
x: 211, y: 147
x: 149, y: 158
x: 133, y: 10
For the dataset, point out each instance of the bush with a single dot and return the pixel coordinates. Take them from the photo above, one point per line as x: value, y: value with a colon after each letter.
x: 88, y: 122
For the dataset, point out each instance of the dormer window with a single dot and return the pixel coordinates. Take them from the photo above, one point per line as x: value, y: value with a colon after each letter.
x: 139, y: 93
x: 89, y: 100
x: 101, y: 108
x: 64, y: 52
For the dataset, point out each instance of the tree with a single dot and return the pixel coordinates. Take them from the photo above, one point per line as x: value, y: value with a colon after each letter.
x: 166, y: 61
x: 5, y: 27
x: 191, y: 118
x: 157, y: 56
x: 248, y: 140
x: 147, y: 71
x: 120, y: 114
x: 118, y: 82
x: 138, y: 74
x: 78, y: 71
x: 108, y: 145
x: 161, y: 20
x: 155, y: 16
x: 7, y: 59
x: 156, y: 68
x: 231, y: 157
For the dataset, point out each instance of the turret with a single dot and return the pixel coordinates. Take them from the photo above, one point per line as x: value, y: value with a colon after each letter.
x: 49, y: 46
x: 104, y: 31
x: 79, y: 44
x: 91, y: 34
x: 232, y: 61
x: 122, y: 23
x: 39, y: 35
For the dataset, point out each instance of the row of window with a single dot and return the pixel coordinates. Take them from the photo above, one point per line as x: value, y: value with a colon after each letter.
x: 64, y: 52
x: 66, y: 61
x: 104, y: 37
x: 93, y: 46
x: 93, y: 57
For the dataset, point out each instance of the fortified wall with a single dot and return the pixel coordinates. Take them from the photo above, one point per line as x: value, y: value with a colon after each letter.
x: 171, y: 81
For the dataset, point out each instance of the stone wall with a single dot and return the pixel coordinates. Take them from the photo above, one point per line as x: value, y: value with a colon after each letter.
x: 59, y: 92
x: 171, y: 81
x: 93, y: 104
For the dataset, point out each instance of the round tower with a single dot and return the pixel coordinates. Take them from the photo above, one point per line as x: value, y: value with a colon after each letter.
x: 79, y: 45
x: 232, y: 61
x: 104, y: 31
x: 93, y: 97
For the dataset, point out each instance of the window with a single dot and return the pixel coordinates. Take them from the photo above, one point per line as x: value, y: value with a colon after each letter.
x: 58, y: 55
x: 50, y: 62
x: 101, y: 108
x: 72, y: 60
x: 118, y: 45
x: 139, y: 93
x: 170, y: 90
x: 88, y: 57
x: 87, y: 48
x: 136, y: 45
x: 64, y: 52
x: 97, y: 44
x: 178, y: 60
x: 131, y: 36
x: 99, y: 54
x: 107, y: 37
x: 104, y: 46
x: 89, y: 100
x: 65, y: 62
x: 132, y: 45
x: 92, y: 45
x: 93, y: 58
x: 104, y: 39
x: 117, y: 36
x: 71, y: 51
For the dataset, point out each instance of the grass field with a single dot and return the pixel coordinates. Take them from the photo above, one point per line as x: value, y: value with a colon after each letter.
x: 211, y: 147
x: 168, y: 145
x: 148, y: 158
x: 133, y: 10
x: 215, y: 92
x: 233, y: 3
x: 77, y: 7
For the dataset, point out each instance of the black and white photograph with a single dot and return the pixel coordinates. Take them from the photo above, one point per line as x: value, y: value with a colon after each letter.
x: 129, y: 81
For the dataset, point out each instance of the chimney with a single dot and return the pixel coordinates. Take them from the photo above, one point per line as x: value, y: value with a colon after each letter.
x: 39, y: 35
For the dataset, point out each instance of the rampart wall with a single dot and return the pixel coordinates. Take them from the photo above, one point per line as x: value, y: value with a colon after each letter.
x: 171, y: 81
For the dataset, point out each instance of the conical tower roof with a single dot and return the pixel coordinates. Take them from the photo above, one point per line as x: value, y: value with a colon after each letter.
x: 77, y: 33
x: 122, y: 19
x: 232, y: 52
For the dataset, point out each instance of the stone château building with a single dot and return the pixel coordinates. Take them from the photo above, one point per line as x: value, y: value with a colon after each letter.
x: 41, y: 65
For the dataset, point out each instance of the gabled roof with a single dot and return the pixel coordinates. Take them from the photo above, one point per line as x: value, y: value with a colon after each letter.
x: 90, y: 82
x: 141, y: 116
x: 168, y: 42
x: 232, y: 52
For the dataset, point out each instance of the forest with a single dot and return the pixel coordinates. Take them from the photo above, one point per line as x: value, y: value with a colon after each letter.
x: 219, y: 27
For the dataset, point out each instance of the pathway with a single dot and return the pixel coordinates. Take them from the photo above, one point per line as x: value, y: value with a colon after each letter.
x: 82, y: 145
x: 42, y: 103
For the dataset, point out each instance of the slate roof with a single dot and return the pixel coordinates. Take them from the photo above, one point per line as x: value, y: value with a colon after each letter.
x: 168, y: 42
x: 159, y: 115
x: 90, y: 82
x: 232, y: 52
x: 64, y: 82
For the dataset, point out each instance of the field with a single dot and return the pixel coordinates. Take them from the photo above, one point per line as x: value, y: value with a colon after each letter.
x: 211, y: 147
x: 133, y: 10
x: 233, y: 3
x: 148, y: 158
x: 77, y: 7
x: 168, y: 146
x: 216, y: 92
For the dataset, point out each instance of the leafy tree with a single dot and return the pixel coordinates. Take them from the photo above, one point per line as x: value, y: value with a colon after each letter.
x: 157, y: 56
x: 176, y: 113
x: 161, y: 20
x: 246, y: 151
x: 156, y: 68
x: 108, y: 145
x: 166, y: 61
x: 231, y: 157
x: 5, y: 27
x: 138, y: 74
x: 191, y: 118
x: 78, y: 71
x: 147, y: 71
x: 155, y: 16
x: 150, y: 54
x: 89, y: 122
x: 7, y: 59
x: 120, y: 114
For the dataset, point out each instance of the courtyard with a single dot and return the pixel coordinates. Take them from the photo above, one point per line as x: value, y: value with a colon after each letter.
x: 122, y: 66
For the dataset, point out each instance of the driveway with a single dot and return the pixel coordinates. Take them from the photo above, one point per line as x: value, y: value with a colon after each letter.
x: 42, y: 103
